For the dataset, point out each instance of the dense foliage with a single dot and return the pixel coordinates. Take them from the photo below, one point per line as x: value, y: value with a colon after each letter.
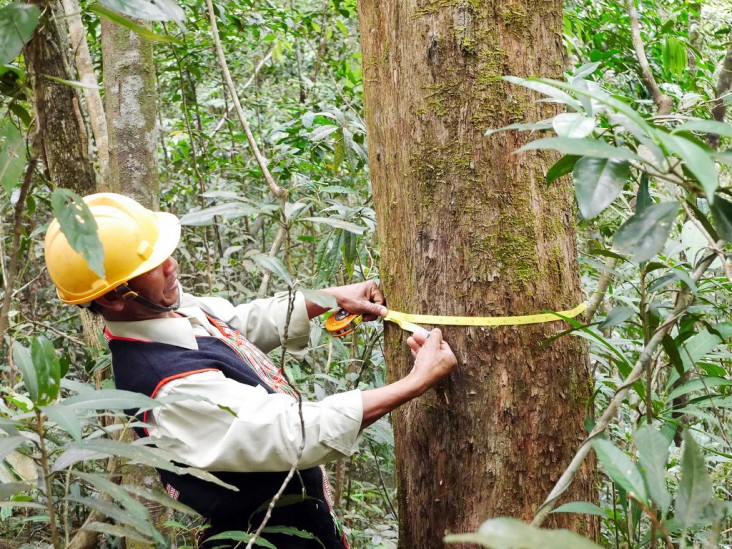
x: 653, y: 201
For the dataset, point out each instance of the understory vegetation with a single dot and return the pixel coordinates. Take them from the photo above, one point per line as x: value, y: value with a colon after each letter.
x: 643, y: 138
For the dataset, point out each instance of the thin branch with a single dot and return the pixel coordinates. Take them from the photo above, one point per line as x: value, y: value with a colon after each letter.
x: 683, y: 301
x: 599, y: 294
x: 663, y: 102
x: 276, y: 190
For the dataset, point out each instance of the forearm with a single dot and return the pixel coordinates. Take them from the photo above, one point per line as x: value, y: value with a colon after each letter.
x: 381, y: 401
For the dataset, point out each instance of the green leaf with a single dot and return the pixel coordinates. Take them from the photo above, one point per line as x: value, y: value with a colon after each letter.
x: 697, y: 160
x: 643, y: 200
x: 511, y: 533
x: 699, y: 384
x: 24, y: 363
x: 705, y: 126
x: 561, y: 167
x: 621, y: 469
x: 17, y: 23
x: 583, y: 508
x: 573, y: 125
x: 722, y: 215
x: 321, y: 299
x: 8, y: 444
x: 79, y: 227
x: 237, y: 535
x: 337, y: 223
x: 122, y: 21
x: 157, y: 10
x: 672, y: 352
x: 652, y: 457
x: 581, y: 147
x: 48, y: 370
x: 617, y: 315
x: 206, y: 216
x: 548, y: 88
x: 521, y: 126
x: 65, y: 418
x: 598, y: 182
x: 275, y: 266
x: 116, y: 530
x: 12, y: 159
x: 110, y: 399
x: 644, y: 234
x: 695, y: 487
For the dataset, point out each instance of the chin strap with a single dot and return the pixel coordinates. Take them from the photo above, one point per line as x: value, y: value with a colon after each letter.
x: 125, y: 292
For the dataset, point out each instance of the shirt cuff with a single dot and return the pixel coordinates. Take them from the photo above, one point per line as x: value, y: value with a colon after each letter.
x: 340, y: 425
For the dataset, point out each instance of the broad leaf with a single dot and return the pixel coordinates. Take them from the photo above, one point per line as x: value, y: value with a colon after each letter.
x: 8, y: 444
x: 617, y: 315
x: 598, y: 182
x: 695, y: 488
x: 17, y: 23
x: 275, y: 266
x: 581, y: 507
x: 511, y: 533
x: 697, y: 160
x: 48, y: 370
x: 652, y: 457
x: 65, y: 418
x: 121, y: 20
x: 337, y: 223
x: 699, y: 384
x: 157, y: 10
x: 561, y: 167
x: 621, y: 469
x: 573, y: 125
x: 12, y: 159
x: 644, y: 234
x: 206, y: 216
x: 705, y: 126
x: 24, y: 363
x: 581, y: 147
x: 110, y: 399
x: 520, y: 126
x: 79, y: 227
x: 722, y: 215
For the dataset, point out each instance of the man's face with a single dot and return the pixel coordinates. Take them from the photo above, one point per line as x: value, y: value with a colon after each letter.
x: 159, y: 286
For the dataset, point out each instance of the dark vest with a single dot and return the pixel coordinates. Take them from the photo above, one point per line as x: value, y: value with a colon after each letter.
x: 144, y: 367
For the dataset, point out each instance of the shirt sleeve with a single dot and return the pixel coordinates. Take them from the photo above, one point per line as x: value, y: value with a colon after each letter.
x: 243, y: 428
x: 263, y: 321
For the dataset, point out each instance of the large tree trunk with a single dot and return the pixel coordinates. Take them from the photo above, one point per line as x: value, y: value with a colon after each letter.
x: 467, y: 228
x: 60, y: 121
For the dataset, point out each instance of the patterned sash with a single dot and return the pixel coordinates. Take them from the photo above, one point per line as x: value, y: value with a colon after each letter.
x: 260, y: 363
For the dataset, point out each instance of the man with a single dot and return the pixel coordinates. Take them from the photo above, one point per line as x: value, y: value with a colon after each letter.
x: 242, y: 421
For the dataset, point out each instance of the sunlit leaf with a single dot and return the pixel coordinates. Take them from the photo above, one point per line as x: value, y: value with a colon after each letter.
x: 547, y: 88
x: 573, y: 125
x: 598, y: 182
x: 705, y: 126
x: 207, y: 216
x: 522, y: 126
x: 17, y: 23
x: 653, y: 453
x: 65, y: 418
x: 79, y: 227
x: 511, y: 533
x: 620, y: 469
x: 644, y: 234
x: 337, y: 223
x: 580, y: 147
x: 121, y: 20
x: 581, y: 507
x: 157, y: 10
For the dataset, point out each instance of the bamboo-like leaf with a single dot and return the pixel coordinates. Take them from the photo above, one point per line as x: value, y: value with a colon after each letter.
x: 644, y: 234
x: 617, y: 315
x: 522, y: 126
x: 621, y: 469
x: 103, y: 11
x: 115, y: 530
x: 705, y: 126
x: 65, y: 418
x: 275, y: 266
x: 159, y: 10
x: 206, y: 216
x: 548, y: 88
x: 583, y: 508
x: 12, y: 159
x: 236, y: 535
x: 598, y: 182
x: 581, y: 147
x: 511, y: 533
x: 17, y: 23
x: 8, y: 444
x: 695, y: 487
x: 110, y: 399
x: 699, y: 384
x: 652, y: 456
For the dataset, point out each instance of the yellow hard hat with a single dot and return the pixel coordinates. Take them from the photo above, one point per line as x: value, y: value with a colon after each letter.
x: 135, y: 240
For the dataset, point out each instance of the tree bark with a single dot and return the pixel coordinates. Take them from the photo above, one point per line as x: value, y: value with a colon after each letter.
x: 60, y: 122
x: 130, y: 102
x: 468, y: 228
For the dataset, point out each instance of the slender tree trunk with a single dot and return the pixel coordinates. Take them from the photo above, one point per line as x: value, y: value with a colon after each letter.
x: 130, y: 103
x: 59, y: 118
x: 468, y: 228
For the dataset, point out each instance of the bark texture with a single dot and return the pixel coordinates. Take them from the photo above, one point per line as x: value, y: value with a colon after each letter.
x: 61, y: 125
x: 130, y: 103
x: 468, y: 228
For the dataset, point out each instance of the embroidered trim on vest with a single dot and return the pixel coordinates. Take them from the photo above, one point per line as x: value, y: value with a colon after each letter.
x: 260, y: 363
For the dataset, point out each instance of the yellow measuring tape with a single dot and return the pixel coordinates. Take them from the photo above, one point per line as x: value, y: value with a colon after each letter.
x: 409, y: 321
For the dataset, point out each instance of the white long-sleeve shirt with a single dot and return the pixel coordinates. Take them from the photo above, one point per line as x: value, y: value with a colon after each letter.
x: 264, y: 431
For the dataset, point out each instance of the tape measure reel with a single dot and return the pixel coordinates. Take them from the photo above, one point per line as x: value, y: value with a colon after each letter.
x: 341, y: 323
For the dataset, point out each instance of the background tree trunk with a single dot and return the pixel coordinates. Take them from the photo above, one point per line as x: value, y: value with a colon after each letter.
x: 60, y: 122
x: 468, y: 228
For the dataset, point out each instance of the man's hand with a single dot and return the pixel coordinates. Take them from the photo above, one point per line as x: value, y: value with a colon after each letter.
x: 361, y: 298
x: 433, y: 358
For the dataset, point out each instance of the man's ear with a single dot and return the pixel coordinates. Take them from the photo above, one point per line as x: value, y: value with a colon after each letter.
x: 110, y: 301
